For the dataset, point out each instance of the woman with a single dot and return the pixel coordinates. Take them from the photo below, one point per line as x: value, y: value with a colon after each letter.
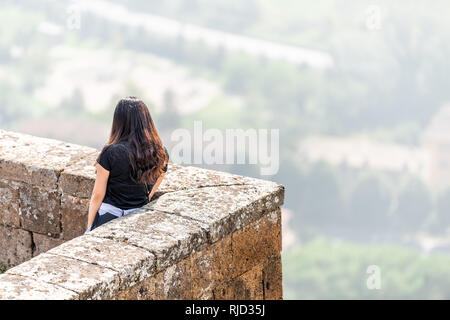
x: 130, y: 167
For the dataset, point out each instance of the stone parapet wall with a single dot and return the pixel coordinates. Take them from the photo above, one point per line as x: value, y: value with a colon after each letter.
x: 208, y: 235
x: 44, y: 191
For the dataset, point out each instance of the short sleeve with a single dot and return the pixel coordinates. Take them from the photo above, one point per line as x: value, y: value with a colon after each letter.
x: 167, y: 153
x: 105, y: 159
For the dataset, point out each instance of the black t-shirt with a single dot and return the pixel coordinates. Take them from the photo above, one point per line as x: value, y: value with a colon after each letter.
x: 121, y: 190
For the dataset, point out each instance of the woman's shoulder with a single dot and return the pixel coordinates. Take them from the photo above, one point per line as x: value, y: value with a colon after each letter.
x: 121, y: 147
x: 117, y: 147
x: 116, y: 150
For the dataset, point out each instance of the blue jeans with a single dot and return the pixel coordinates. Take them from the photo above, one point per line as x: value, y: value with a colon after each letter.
x: 102, y: 219
x: 106, y: 213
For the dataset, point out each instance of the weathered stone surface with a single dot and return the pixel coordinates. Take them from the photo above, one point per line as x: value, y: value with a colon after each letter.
x: 174, y: 282
x: 251, y: 288
x: 273, y: 278
x: 182, y: 178
x: 9, y: 202
x: 132, y: 263
x: 256, y: 241
x: 173, y: 167
x: 224, y: 209
x: 33, y: 160
x: 247, y: 286
x: 90, y: 281
x: 165, y: 185
x: 9, y: 169
x: 43, y: 243
x: 169, y: 237
x: 192, y: 178
x: 224, y: 291
x: 15, y: 287
x: 211, y: 267
x: 39, y: 210
x: 144, y: 290
x: 74, y: 214
x: 15, y: 246
x: 78, y: 178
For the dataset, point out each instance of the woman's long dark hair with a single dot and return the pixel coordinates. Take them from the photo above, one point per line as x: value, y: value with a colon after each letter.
x: 133, y: 124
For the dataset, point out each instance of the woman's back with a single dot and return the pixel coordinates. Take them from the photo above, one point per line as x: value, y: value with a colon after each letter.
x: 121, y: 190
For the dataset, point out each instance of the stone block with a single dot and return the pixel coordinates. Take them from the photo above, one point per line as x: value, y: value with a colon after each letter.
x: 43, y: 243
x: 36, y: 161
x: 90, y: 281
x: 144, y: 290
x: 273, y: 278
x: 186, y: 177
x: 175, y: 282
x: 256, y: 241
x: 189, y: 177
x: 74, y: 215
x: 248, y: 286
x: 15, y: 287
x: 9, y: 203
x: 39, y: 210
x: 133, y: 264
x: 223, y: 208
x: 211, y: 267
x: 15, y: 246
x: 169, y: 237
x: 33, y: 175
x: 172, y: 283
x: 78, y: 177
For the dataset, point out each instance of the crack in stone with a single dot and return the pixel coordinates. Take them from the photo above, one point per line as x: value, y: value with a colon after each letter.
x: 231, y: 251
x: 200, y: 187
x: 157, y: 259
x: 33, y: 244
x: 75, y: 259
x: 60, y: 195
x: 93, y: 263
x: 263, y: 287
x: 184, y: 217
x: 134, y: 245
x: 121, y: 278
x: 81, y: 260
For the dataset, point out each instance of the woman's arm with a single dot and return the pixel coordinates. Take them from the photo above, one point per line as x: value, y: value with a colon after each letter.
x: 98, y: 193
x: 156, y: 185
x: 161, y: 177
